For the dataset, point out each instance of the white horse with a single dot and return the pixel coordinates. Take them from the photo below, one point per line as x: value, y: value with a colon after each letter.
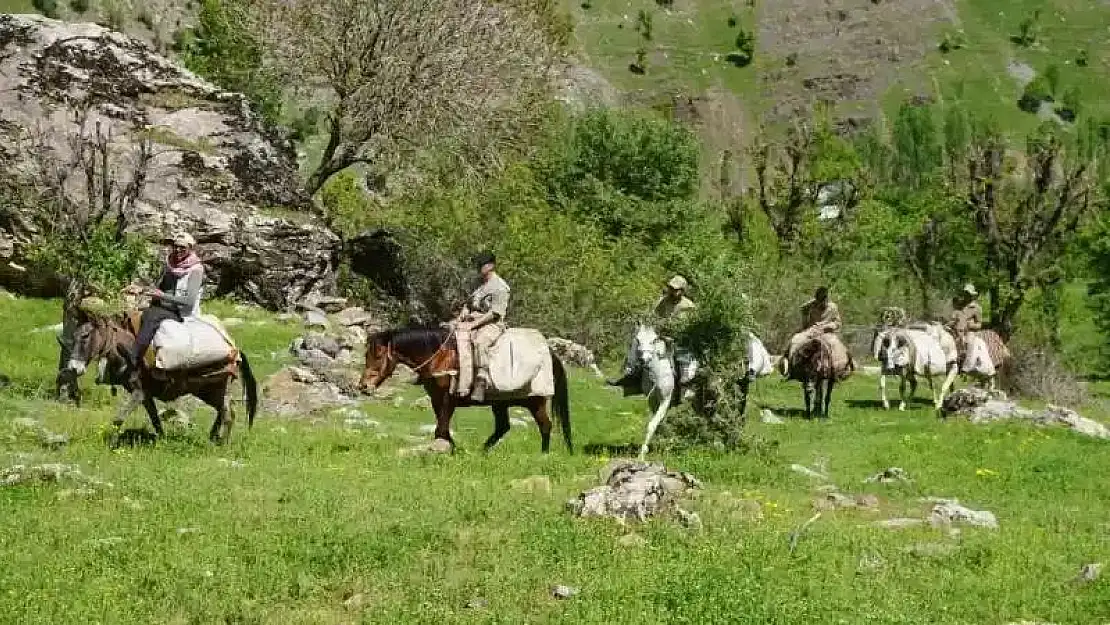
x: 927, y: 350
x: 659, y: 366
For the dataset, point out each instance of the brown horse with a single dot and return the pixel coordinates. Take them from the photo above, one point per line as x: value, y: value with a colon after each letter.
x: 432, y: 353
x: 819, y: 363
x: 109, y: 341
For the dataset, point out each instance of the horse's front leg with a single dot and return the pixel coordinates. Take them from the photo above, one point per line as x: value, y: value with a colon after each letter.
x: 129, y: 406
x: 659, y: 400
x: 902, y: 392
x: 828, y: 397
x: 946, y: 387
x: 444, y: 406
x: 933, y: 390
x: 807, y: 391
x: 882, y: 391
x: 152, y: 412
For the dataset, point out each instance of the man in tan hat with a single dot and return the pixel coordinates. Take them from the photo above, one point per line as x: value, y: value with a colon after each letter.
x: 673, y: 305
x: 967, y: 316
x: 484, y: 317
x: 819, y: 315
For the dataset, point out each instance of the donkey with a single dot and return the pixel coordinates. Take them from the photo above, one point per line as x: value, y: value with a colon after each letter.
x: 108, y: 341
x: 819, y: 363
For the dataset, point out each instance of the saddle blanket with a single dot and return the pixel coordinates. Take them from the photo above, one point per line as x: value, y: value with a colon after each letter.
x: 520, y: 364
x: 194, y: 343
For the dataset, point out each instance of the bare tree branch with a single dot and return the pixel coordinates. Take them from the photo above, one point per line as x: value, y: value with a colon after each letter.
x: 407, y: 75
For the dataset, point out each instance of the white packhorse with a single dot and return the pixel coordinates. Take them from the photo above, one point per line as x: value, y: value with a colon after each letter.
x: 658, y: 366
x: 925, y: 351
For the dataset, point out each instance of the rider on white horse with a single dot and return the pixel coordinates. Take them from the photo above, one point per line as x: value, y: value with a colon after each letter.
x: 672, y: 306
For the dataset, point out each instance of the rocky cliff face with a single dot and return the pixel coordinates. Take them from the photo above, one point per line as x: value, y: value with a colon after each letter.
x: 216, y: 171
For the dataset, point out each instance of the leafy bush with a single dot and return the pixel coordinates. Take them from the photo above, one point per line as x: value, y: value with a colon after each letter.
x: 952, y: 40
x: 1038, y: 90
x: 745, y: 49
x: 222, y: 50
x: 644, y: 24
x: 79, y: 6
x: 100, y: 260
x: 632, y: 174
x: 1028, y: 30
x: 1037, y: 372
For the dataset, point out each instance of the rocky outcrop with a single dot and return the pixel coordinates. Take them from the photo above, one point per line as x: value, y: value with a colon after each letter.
x: 635, y: 491
x: 217, y: 171
x: 981, y: 406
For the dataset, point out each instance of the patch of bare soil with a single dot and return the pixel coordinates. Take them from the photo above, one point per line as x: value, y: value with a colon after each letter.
x: 848, y: 52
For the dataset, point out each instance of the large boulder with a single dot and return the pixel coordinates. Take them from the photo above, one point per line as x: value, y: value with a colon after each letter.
x: 218, y: 171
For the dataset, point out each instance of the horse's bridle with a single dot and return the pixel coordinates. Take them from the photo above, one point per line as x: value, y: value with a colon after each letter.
x: 416, y: 369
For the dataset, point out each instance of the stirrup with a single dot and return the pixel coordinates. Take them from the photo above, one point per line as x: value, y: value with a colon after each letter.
x: 478, y: 393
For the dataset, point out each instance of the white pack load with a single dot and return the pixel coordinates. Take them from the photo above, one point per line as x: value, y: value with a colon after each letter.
x: 520, y: 363
x: 193, y: 343
x: 759, y: 361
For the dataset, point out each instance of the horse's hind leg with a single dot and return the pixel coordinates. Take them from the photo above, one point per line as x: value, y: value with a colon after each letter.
x: 828, y: 397
x: 543, y: 420
x: 500, y: 424
x: 882, y: 392
x: 902, y: 392
x: 807, y: 390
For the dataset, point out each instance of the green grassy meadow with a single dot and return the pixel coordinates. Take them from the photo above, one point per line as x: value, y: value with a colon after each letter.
x: 303, y: 521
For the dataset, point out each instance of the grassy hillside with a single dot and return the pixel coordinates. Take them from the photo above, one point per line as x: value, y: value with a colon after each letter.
x: 860, y: 53
x: 303, y: 521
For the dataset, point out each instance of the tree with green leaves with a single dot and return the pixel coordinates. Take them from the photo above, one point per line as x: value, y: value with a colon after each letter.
x: 1024, y: 221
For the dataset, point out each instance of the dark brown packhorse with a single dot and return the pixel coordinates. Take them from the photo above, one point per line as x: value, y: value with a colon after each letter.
x: 432, y: 353
x: 819, y: 364
x: 109, y: 341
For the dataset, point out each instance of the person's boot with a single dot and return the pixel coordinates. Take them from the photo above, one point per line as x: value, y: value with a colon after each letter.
x: 625, y: 380
x: 478, y: 393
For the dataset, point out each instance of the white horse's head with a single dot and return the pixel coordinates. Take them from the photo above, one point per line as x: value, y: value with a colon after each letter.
x: 647, y: 344
x: 892, y: 349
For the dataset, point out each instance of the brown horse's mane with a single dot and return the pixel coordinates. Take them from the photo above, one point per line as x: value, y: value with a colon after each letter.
x: 413, y: 340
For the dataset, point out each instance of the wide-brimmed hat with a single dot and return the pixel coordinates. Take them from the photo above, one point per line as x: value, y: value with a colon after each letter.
x: 481, y: 259
x: 969, y: 288
x: 677, y: 283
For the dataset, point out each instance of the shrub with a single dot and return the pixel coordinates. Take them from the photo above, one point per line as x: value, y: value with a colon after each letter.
x: 951, y: 40
x: 1037, y: 372
x: 644, y: 24
x: 1035, y: 93
x: 222, y: 50
x: 632, y: 174
x: 1028, y: 30
x: 79, y: 6
x: 745, y: 49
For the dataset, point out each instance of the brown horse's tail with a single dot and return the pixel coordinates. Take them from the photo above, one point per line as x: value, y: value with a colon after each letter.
x: 560, y: 403
x: 250, y: 389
